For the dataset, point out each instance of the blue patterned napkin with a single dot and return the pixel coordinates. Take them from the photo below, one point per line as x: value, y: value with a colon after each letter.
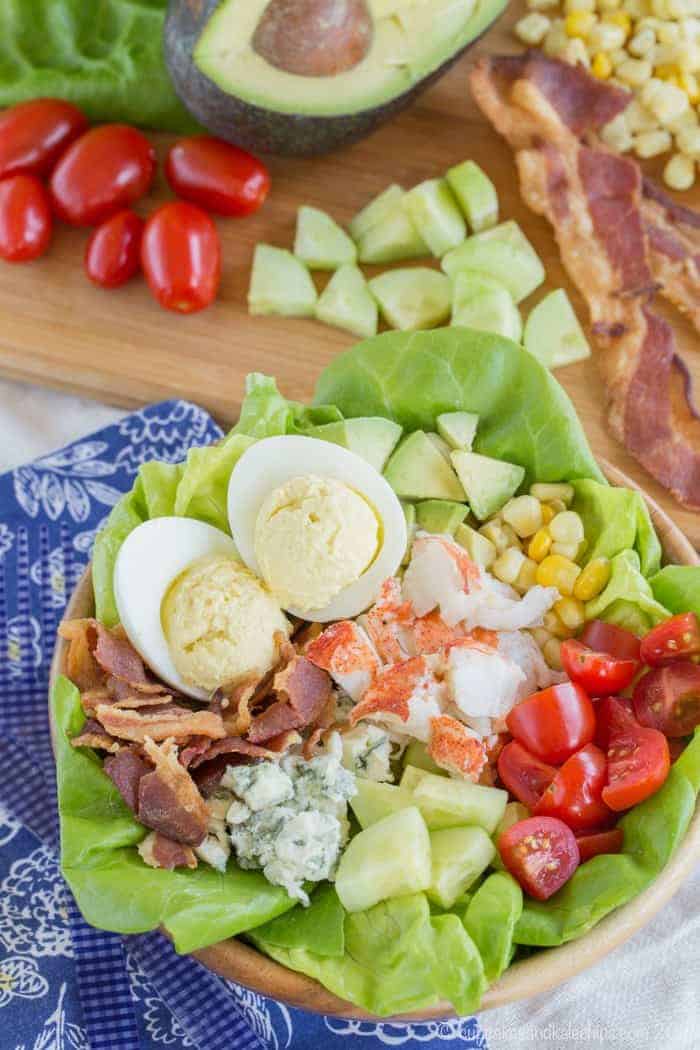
x: 64, y: 985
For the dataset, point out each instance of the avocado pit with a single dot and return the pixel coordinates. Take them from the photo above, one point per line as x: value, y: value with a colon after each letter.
x: 314, y: 38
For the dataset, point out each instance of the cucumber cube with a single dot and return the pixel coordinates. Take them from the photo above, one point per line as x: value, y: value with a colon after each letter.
x: 280, y: 284
x: 459, y: 856
x: 479, y: 548
x: 388, y: 859
x: 346, y: 302
x: 375, y: 801
x: 475, y: 193
x: 412, y: 775
x: 434, y: 213
x: 376, y: 211
x: 391, y: 240
x: 418, y: 471
x: 503, y: 253
x: 447, y: 803
x: 458, y: 429
x: 440, y: 515
x: 416, y: 755
x: 484, y: 304
x: 371, y: 437
x: 488, y: 483
x: 553, y: 334
x: 413, y: 299
x: 320, y: 242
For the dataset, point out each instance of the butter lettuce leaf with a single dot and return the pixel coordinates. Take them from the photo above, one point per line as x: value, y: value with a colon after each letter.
x: 490, y: 921
x: 318, y: 928
x: 678, y: 588
x: 628, y: 599
x: 616, y: 520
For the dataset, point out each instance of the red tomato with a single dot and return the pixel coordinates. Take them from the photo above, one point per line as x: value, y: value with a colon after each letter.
x: 607, y: 638
x: 523, y: 774
x: 576, y: 793
x: 600, y: 674
x: 33, y: 135
x: 613, y: 714
x: 181, y: 257
x: 600, y: 842
x: 113, y: 253
x: 105, y: 170
x: 668, y: 698
x: 638, y: 764
x: 25, y: 219
x: 676, y: 639
x: 217, y: 176
x: 541, y: 853
x: 554, y: 723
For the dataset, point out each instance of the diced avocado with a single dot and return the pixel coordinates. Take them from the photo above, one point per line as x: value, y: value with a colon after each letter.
x: 371, y: 437
x: 393, y: 239
x: 480, y: 302
x: 479, y: 548
x: 388, y: 859
x: 280, y: 284
x: 434, y: 213
x: 488, y: 483
x: 514, y: 812
x: 440, y: 444
x: 503, y: 253
x: 475, y: 193
x: 320, y: 242
x: 346, y: 302
x: 458, y: 429
x: 376, y: 211
x: 459, y: 856
x: 553, y: 334
x: 416, y: 754
x: 417, y: 471
x: 413, y: 298
x: 450, y: 803
x: 375, y: 801
x: 440, y: 515
x: 409, y: 513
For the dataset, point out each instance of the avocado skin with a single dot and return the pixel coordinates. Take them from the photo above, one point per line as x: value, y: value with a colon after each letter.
x: 262, y: 130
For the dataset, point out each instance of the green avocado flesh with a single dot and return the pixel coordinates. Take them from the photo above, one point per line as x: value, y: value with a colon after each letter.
x: 417, y: 470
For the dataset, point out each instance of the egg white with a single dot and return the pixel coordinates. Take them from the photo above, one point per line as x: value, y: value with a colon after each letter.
x: 149, y: 560
x: 273, y: 461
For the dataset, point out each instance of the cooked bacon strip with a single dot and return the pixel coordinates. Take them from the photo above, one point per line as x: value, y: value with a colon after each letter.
x: 92, y: 697
x: 325, y: 722
x: 93, y: 735
x: 595, y: 206
x: 81, y: 666
x: 169, y: 801
x: 117, y: 657
x: 159, y: 723
x: 303, y: 690
x: 230, y: 745
x: 125, y: 770
x: 673, y: 235
x: 160, y: 852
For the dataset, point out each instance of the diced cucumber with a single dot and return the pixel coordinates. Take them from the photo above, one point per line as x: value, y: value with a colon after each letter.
x: 375, y: 801
x: 417, y: 471
x: 479, y: 548
x: 434, y: 213
x: 412, y: 775
x: 475, y: 193
x: 503, y: 253
x: 488, y: 483
x: 391, y: 240
x: 388, y: 859
x: 459, y: 856
x: 480, y: 302
x: 458, y: 429
x: 371, y: 437
x: 409, y: 513
x: 413, y: 298
x: 514, y: 812
x: 553, y: 334
x: 449, y: 803
x: 320, y: 242
x: 440, y: 515
x: 416, y: 755
x: 280, y: 284
x: 376, y: 211
x: 346, y: 302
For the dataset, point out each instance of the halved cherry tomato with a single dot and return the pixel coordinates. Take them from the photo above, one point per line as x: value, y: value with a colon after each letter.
x: 608, y: 638
x: 613, y: 714
x: 103, y: 171
x: 600, y: 842
x: 676, y: 639
x: 599, y: 673
x: 217, y: 176
x: 33, y: 135
x: 638, y: 764
x: 181, y: 257
x: 523, y: 774
x: 668, y: 698
x: 554, y: 723
x: 113, y: 253
x: 576, y: 793
x: 541, y: 853
x: 25, y: 218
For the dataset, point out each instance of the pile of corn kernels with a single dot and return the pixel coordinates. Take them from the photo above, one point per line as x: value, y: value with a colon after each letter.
x: 650, y: 47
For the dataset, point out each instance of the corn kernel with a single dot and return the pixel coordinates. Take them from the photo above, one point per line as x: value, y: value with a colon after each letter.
x: 542, y: 5
x: 507, y: 565
x: 571, y: 613
x: 579, y: 23
x: 652, y: 143
x: 567, y: 527
x: 634, y: 71
x: 609, y: 5
x: 688, y: 142
x: 572, y: 6
x: 557, y: 571
x: 546, y: 491
x: 643, y: 41
x: 552, y: 653
x: 554, y: 625
x: 668, y: 32
x: 601, y: 67
x: 557, y: 505
x: 547, y: 513
x: 635, y: 8
x: 665, y: 71
x: 576, y: 53
x: 687, y: 119
x: 638, y: 117
x: 666, y: 101
x: 497, y: 534
x: 619, y: 18
x: 532, y: 29
x: 527, y: 577
x: 571, y: 551
x: 541, y: 635
x: 679, y: 173
x: 690, y: 84
x: 539, y: 545
x: 593, y: 579
x: 556, y: 39
x: 616, y: 134
x: 523, y: 514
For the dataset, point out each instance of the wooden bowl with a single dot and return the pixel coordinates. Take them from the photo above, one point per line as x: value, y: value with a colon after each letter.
x: 239, y: 962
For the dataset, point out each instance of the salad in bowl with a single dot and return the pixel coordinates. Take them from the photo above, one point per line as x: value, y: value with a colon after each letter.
x: 393, y: 686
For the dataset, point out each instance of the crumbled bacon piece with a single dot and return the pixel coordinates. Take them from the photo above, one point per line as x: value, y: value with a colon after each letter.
x: 159, y: 723
x: 169, y: 801
x: 93, y: 735
x: 230, y: 745
x: 81, y: 666
x: 125, y: 770
x: 158, y: 851
x: 303, y: 690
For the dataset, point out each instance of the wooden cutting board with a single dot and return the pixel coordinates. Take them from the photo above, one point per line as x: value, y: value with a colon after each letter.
x: 57, y: 329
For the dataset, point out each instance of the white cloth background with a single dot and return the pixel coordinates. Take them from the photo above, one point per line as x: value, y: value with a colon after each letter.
x: 644, y: 996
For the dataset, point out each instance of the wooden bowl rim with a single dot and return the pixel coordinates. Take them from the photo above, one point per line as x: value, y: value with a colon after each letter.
x: 237, y: 961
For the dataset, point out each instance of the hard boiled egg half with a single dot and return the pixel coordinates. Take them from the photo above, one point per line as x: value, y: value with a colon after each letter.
x: 317, y: 523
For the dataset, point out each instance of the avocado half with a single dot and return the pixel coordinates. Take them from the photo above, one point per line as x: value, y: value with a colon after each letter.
x: 308, y: 76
